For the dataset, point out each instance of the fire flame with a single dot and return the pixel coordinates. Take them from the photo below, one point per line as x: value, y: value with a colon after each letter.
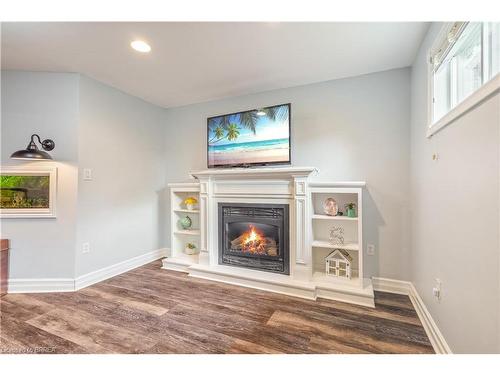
x: 252, y: 236
x: 254, y: 241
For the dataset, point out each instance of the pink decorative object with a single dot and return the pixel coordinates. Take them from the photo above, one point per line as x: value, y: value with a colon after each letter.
x: 330, y: 207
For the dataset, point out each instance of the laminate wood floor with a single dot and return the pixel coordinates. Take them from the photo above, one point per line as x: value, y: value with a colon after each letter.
x: 149, y: 310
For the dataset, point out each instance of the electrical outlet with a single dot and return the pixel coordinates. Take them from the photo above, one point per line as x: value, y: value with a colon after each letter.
x: 87, y: 174
x: 370, y: 249
x: 436, y: 291
x: 85, y: 247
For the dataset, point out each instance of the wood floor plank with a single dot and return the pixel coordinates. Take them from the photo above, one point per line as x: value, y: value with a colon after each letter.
x: 150, y: 310
x: 97, y: 294
x: 247, y: 347
x: 241, y: 328
x: 347, y: 334
x: 27, y: 304
x: 85, y: 330
x: 18, y: 337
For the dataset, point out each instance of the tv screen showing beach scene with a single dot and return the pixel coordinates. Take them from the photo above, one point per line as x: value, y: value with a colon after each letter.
x: 256, y: 137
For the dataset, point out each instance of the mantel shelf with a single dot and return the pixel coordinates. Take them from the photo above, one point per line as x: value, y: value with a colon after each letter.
x: 265, y: 172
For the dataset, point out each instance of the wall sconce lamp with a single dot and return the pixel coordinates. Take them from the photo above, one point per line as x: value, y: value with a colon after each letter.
x: 32, y: 152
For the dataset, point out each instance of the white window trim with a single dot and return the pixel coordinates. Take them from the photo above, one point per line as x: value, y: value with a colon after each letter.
x: 477, y: 97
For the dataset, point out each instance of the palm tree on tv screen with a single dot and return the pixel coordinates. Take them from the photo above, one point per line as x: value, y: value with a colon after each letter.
x: 224, y: 128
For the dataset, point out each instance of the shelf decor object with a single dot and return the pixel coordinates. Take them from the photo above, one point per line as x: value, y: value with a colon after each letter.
x: 31, y: 152
x: 330, y: 207
x: 190, y: 249
x: 337, y: 236
x: 338, y: 263
x: 186, y: 222
x: 190, y: 203
x: 351, y: 209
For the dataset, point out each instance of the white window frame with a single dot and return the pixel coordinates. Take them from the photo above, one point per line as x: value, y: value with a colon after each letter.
x: 486, y: 90
x: 22, y: 213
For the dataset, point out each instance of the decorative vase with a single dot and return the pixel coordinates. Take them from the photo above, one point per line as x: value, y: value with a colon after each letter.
x: 351, y: 212
x: 190, y: 251
x: 190, y: 206
x: 186, y: 222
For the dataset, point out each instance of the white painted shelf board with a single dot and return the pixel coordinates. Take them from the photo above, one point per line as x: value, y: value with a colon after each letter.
x: 335, y: 184
x: 192, y: 232
x: 327, y: 217
x: 323, y: 277
x: 187, y: 211
x: 328, y: 245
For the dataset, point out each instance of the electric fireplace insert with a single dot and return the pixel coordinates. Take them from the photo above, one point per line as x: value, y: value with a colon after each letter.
x: 254, y: 236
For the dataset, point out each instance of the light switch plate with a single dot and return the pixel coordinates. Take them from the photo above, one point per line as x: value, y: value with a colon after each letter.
x: 85, y: 247
x: 87, y: 174
x: 370, y: 249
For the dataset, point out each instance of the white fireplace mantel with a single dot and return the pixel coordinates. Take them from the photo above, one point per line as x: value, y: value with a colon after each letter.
x: 270, y: 172
x: 279, y: 185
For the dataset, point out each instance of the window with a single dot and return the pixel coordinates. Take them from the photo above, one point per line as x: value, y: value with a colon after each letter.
x: 464, y: 59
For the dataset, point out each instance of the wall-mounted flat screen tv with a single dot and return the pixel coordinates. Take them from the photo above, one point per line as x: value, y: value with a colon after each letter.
x: 256, y: 137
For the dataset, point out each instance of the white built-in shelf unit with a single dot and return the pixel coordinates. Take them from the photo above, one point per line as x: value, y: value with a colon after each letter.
x: 179, y: 236
x: 321, y: 224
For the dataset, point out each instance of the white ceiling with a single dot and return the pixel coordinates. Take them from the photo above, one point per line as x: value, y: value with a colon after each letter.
x: 197, y: 62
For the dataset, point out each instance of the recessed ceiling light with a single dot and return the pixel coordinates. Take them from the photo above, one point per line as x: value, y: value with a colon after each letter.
x: 140, y: 46
x: 261, y: 113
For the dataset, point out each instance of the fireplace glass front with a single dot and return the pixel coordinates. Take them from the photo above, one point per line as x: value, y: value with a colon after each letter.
x: 254, y: 236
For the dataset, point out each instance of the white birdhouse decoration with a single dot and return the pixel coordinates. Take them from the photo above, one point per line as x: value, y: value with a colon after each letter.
x: 338, y: 263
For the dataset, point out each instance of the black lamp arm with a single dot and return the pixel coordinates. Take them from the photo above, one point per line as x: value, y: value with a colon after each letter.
x: 47, y: 144
x: 36, y: 135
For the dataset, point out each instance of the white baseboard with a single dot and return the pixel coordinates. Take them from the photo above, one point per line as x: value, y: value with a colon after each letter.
x: 407, y: 288
x: 118, y: 268
x: 41, y: 285
x: 435, y: 336
x: 70, y: 285
x: 391, y: 286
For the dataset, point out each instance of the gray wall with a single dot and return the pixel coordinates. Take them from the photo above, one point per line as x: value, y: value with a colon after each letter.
x: 120, y: 140
x: 94, y: 126
x: 351, y: 129
x: 47, y: 104
x: 455, y: 217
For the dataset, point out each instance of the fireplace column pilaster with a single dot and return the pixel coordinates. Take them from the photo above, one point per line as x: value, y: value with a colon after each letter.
x: 206, y: 225
x: 302, y: 261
